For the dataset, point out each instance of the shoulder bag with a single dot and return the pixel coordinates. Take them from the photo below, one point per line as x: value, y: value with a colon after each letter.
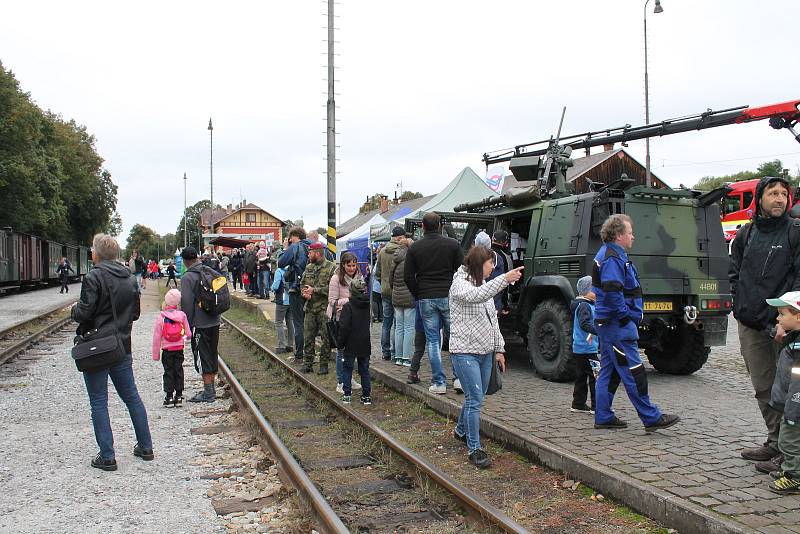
x: 333, y: 325
x: 99, y: 348
x: 495, y: 382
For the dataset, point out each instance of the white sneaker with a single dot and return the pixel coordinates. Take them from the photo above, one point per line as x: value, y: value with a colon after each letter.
x: 340, y: 388
x: 354, y: 384
x: 457, y: 386
x: 438, y: 389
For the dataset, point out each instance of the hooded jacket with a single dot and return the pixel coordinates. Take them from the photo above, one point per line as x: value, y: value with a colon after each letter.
x: 190, y: 291
x: 353, y: 335
x: 766, y: 262
x: 430, y: 265
x: 786, y: 388
x: 250, y: 261
x: 385, y: 266
x: 339, y: 293
x: 296, y: 256
x: 401, y: 296
x: 93, y: 309
x: 173, y: 314
x: 584, y: 334
x: 474, y: 328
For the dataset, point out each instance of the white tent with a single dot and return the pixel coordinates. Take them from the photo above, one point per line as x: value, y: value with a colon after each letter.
x: 358, y: 238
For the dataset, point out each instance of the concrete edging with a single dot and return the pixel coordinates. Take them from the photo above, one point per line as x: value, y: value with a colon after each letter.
x: 657, y: 504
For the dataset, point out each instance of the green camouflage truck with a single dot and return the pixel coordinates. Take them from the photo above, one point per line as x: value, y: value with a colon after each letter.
x: 679, y: 251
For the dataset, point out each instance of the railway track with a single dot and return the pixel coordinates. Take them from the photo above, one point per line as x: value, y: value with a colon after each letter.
x: 354, y: 476
x: 17, y: 338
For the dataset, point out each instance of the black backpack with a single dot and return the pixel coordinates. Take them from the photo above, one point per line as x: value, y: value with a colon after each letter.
x: 213, y: 295
x: 744, y: 234
x: 291, y: 274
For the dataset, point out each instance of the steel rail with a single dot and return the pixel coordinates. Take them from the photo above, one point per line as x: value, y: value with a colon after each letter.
x: 297, y: 477
x: 470, y: 500
x: 21, y: 345
x: 45, y: 313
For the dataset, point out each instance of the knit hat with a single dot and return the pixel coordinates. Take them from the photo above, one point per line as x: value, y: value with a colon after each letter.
x: 357, y: 287
x: 584, y: 285
x: 172, y: 298
x: 483, y: 240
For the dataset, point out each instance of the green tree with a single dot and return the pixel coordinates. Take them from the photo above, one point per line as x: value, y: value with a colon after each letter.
x: 193, y: 227
x: 52, y: 182
x: 144, y: 240
x: 768, y: 168
x: 410, y: 195
x: 114, y: 226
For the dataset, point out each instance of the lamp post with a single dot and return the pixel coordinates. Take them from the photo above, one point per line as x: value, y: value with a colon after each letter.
x: 657, y: 9
x: 185, y: 216
x: 211, y: 170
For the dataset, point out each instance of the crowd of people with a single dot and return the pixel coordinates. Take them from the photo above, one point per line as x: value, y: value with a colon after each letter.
x: 429, y: 296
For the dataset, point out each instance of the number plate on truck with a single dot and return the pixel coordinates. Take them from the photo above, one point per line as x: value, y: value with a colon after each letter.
x: 657, y: 306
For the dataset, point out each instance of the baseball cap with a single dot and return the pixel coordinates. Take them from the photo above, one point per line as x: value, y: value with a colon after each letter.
x: 189, y: 253
x: 790, y: 299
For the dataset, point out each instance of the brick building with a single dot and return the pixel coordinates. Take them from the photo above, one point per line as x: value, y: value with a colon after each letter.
x: 244, y: 221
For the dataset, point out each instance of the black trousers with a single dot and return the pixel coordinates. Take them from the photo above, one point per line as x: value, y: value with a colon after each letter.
x: 253, y: 289
x: 204, y: 349
x: 172, y: 360
x: 174, y: 281
x: 65, y: 284
x: 237, y: 276
x: 419, y: 350
x: 584, y: 379
x: 377, y: 306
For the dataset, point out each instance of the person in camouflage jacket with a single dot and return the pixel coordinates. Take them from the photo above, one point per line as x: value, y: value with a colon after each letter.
x: 314, y: 289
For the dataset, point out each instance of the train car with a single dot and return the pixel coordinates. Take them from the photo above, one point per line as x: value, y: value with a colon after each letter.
x: 51, y: 256
x: 28, y: 252
x: 84, y: 256
x: 9, y: 267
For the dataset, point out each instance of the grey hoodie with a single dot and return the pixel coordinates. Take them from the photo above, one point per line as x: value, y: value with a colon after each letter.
x: 190, y: 289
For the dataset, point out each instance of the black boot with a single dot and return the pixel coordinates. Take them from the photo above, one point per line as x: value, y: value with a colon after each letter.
x: 323, y: 368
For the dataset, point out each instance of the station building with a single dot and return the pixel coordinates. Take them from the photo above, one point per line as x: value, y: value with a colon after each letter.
x: 242, y: 222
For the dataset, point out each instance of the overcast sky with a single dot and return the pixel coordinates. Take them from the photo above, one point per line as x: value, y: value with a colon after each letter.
x: 425, y: 89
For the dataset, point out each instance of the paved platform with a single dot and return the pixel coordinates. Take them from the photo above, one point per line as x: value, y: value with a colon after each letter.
x: 690, y: 477
x: 48, y: 442
x: 19, y: 307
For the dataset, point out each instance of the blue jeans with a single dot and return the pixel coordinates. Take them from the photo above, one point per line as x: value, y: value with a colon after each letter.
x: 435, y: 316
x: 404, y: 331
x: 263, y: 283
x: 298, y: 316
x: 339, y: 363
x: 387, y: 343
x: 97, y: 388
x: 474, y: 372
x: 363, y: 370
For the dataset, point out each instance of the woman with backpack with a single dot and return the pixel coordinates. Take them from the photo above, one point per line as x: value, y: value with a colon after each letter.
x: 169, y: 334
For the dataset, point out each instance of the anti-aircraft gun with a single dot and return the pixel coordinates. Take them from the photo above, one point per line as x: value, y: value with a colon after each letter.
x: 680, y: 251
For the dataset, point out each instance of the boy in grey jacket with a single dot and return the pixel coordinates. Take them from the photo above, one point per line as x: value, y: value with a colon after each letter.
x: 786, y: 395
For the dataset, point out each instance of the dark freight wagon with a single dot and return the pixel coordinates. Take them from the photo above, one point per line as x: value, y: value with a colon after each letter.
x: 28, y: 261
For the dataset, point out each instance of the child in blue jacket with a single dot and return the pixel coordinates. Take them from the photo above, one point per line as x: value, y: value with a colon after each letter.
x: 584, y: 346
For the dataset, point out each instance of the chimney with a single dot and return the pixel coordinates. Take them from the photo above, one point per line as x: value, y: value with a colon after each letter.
x: 608, y: 147
x: 384, y: 204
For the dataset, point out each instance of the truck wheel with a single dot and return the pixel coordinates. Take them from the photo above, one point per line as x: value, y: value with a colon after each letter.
x: 550, y: 341
x: 683, y: 353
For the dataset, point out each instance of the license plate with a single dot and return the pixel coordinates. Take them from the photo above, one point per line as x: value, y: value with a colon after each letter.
x: 657, y: 306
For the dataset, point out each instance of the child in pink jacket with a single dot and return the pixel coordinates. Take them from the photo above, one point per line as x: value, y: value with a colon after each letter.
x: 169, y: 334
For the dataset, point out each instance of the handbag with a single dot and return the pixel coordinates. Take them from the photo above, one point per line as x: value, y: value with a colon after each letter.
x: 333, y: 326
x: 99, y: 348
x: 495, y: 382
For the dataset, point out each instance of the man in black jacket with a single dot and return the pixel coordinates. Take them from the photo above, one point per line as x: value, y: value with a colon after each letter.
x: 430, y: 265
x: 765, y: 262
x: 205, y: 326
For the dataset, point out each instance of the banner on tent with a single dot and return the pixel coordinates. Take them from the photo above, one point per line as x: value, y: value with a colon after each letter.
x: 495, y: 176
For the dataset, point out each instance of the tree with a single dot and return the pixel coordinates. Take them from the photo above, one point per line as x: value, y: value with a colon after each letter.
x: 144, y: 240
x: 114, y: 226
x: 768, y: 168
x: 52, y: 182
x: 193, y: 226
x: 409, y: 195
x: 372, y: 203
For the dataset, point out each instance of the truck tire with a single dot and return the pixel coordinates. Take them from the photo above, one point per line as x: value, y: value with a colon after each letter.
x: 683, y: 354
x: 550, y: 341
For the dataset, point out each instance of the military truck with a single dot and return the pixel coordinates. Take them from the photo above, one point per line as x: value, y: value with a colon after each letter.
x: 679, y: 250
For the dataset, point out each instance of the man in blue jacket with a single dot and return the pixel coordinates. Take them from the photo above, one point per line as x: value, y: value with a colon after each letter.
x: 296, y: 257
x: 618, y: 312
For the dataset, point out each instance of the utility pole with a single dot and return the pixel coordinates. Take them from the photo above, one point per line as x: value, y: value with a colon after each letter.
x: 185, y: 216
x: 658, y: 9
x: 211, y: 170
x: 331, y: 138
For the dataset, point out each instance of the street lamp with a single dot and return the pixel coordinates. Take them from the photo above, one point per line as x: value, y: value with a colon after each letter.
x: 657, y: 9
x: 185, y: 216
x: 211, y: 170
